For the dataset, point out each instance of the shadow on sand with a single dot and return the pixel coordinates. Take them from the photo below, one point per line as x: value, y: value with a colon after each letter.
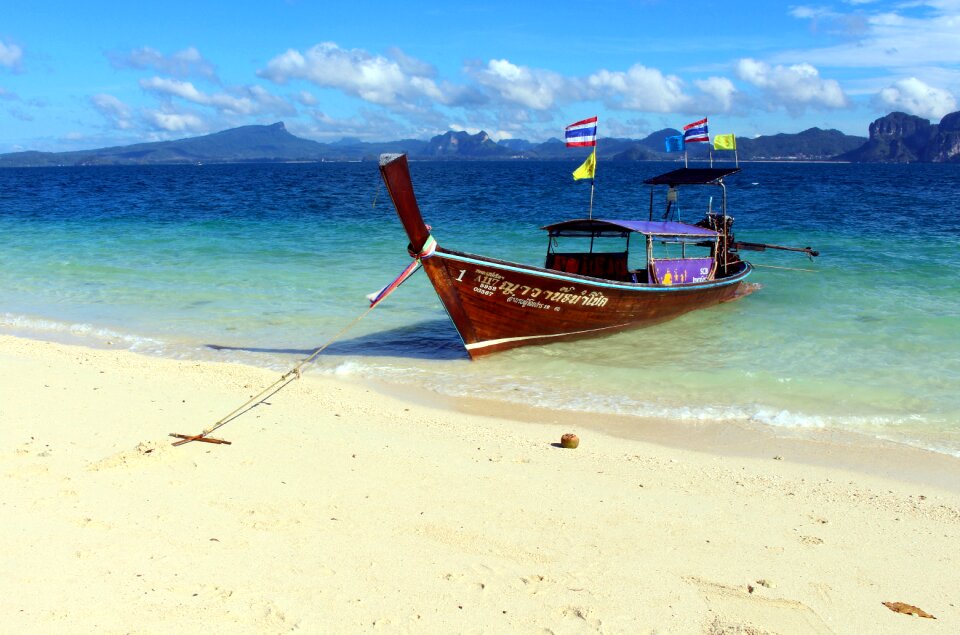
x: 434, y: 339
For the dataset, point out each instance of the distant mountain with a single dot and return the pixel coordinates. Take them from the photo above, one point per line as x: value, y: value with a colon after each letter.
x: 637, y: 152
x: 897, y: 137
x: 945, y: 145
x: 902, y: 138
x: 247, y: 144
x: 515, y: 145
x: 462, y: 144
x: 555, y: 149
x: 657, y: 141
x: 812, y: 144
x: 237, y: 145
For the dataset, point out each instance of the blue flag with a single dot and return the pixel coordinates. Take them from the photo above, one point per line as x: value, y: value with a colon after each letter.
x: 674, y: 144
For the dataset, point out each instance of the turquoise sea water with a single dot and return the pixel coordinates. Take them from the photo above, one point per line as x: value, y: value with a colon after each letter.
x: 268, y: 261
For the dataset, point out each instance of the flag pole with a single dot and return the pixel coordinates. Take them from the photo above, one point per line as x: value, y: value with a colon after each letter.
x: 596, y: 143
x: 591, y: 199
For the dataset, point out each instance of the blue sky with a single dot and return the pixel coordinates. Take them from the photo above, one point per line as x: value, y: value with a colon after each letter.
x: 79, y: 75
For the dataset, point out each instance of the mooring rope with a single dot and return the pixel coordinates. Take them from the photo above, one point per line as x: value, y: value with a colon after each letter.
x: 272, y: 389
x: 296, y: 372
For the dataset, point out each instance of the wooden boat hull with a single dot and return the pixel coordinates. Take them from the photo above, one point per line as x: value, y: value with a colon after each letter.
x: 498, y: 305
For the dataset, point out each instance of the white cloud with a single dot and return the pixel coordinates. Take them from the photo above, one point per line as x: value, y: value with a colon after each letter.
x: 185, y: 63
x: 639, y: 88
x: 306, y: 98
x: 10, y: 55
x: 251, y: 100
x: 267, y: 102
x: 470, y: 130
x: 184, y: 90
x: 529, y: 87
x: 174, y: 121
x: 373, y: 78
x: 917, y: 98
x: 633, y: 128
x: 367, y: 124
x: 794, y: 87
x: 115, y: 111
x: 719, y: 92
x: 925, y: 33
x: 804, y: 12
x: 411, y: 65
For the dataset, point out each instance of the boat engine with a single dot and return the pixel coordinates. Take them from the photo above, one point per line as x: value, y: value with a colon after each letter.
x: 727, y: 255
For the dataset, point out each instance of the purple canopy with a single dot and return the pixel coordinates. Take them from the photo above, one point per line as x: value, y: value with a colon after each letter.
x: 649, y: 228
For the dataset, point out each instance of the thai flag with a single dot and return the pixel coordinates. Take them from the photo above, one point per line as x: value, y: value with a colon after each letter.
x: 696, y: 132
x: 582, y: 133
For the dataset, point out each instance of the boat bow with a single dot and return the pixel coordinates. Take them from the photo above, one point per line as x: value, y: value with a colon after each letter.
x: 396, y: 176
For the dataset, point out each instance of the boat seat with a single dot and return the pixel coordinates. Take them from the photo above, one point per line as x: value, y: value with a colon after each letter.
x: 609, y: 266
x: 567, y: 263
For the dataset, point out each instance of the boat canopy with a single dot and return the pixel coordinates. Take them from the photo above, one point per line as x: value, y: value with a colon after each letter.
x: 692, y: 176
x: 600, y: 227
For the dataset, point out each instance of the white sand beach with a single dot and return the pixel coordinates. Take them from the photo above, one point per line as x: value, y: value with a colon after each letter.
x: 339, y: 508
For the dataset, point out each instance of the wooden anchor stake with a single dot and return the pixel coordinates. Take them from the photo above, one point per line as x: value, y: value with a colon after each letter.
x: 186, y: 438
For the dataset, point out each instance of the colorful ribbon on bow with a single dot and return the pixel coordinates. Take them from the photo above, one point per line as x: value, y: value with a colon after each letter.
x: 429, y: 247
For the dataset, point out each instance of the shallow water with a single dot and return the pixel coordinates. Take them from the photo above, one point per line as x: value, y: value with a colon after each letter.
x: 268, y: 261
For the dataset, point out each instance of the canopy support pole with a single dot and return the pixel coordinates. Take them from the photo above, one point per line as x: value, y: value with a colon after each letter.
x: 591, y: 198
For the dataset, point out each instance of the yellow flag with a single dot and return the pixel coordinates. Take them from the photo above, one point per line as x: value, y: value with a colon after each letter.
x: 724, y: 142
x: 588, y: 169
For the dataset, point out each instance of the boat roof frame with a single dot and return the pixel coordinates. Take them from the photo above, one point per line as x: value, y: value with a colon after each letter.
x: 599, y: 227
x: 692, y: 176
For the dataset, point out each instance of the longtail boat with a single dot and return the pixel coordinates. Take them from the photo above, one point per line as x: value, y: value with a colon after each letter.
x: 592, y: 287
